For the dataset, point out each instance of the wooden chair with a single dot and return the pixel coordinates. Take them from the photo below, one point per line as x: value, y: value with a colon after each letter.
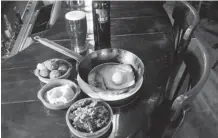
x: 185, y: 22
x: 191, y: 61
x: 188, y: 72
x: 186, y: 19
x: 173, y: 112
x: 196, y: 60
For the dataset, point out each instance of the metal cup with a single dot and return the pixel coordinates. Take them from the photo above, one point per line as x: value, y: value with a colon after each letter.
x: 76, y: 26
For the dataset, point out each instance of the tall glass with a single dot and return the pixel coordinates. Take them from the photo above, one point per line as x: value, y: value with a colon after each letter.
x: 76, y: 25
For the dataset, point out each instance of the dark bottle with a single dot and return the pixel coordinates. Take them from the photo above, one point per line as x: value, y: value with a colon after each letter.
x: 101, y: 24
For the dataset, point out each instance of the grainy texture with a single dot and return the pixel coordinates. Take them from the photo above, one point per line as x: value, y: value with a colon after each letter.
x: 148, y: 35
x: 131, y: 25
x: 32, y: 119
x: 133, y: 9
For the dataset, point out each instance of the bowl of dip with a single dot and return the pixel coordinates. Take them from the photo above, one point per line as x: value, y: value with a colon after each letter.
x: 59, y: 94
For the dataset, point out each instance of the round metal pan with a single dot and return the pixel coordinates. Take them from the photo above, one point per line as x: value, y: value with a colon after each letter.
x: 87, y: 63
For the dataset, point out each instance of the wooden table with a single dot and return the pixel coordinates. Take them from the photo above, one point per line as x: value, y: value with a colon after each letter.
x: 140, y: 27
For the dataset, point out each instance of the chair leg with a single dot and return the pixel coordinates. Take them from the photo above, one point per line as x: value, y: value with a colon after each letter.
x: 215, y: 64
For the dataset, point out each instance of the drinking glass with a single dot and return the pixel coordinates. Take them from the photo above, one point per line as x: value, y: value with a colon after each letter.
x: 76, y: 25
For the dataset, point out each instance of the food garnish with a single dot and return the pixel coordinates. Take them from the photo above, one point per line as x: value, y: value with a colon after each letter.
x: 89, y: 116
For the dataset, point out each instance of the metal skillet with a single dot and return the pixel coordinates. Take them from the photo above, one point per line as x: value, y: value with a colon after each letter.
x: 87, y: 63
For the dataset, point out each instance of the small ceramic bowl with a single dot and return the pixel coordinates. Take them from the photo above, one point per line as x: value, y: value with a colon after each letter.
x: 64, y: 76
x: 57, y: 83
x: 95, y: 134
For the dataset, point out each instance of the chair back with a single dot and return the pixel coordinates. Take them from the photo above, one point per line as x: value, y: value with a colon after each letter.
x: 168, y: 117
x: 197, y: 62
x: 186, y: 19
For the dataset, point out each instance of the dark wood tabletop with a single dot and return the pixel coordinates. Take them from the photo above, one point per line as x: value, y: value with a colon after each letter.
x: 143, y: 28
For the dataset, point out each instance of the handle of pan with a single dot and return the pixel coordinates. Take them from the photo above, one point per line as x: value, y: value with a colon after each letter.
x: 59, y: 48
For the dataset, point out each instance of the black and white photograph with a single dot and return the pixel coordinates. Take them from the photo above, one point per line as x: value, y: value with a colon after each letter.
x: 109, y: 69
